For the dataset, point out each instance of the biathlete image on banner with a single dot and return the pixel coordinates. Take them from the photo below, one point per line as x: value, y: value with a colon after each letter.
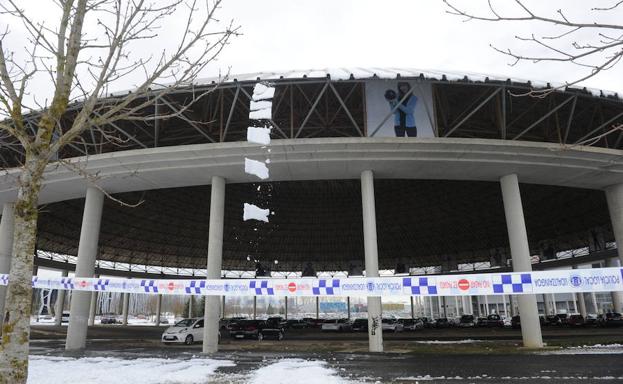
x: 403, y: 105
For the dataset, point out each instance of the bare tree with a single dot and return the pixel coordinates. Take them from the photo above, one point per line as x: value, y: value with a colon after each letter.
x: 82, y: 67
x: 592, y: 44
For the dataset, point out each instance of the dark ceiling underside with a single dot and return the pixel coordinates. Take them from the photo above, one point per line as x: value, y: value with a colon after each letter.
x: 420, y: 223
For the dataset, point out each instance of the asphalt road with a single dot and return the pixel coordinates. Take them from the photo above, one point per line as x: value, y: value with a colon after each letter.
x: 495, y: 356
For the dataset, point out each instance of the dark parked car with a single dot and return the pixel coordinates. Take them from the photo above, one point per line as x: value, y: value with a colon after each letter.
x: 516, y: 322
x: 467, y: 321
x: 576, y: 321
x: 360, y: 325
x: 255, y: 329
x: 428, y: 323
x: 297, y: 324
x: 481, y: 322
x: 412, y: 324
x: 591, y: 321
x: 492, y: 321
x: 611, y: 319
x: 278, y: 322
x: 314, y: 323
x: 109, y: 318
x: 65, y: 317
x: 553, y: 320
x: 442, y: 323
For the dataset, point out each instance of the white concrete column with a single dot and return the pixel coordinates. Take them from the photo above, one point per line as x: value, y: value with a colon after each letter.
x: 617, y: 296
x: 286, y: 308
x: 511, y: 299
x: 375, y: 332
x: 582, y: 304
x: 464, y: 305
x: 6, y: 249
x: 504, y: 305
x: 215, y: 261
x: 92, y: 308
x: 85, y: 267
x: 456, y: 306
x: 554, y: 306
x: 430, y: 307
x: 158, y: 309
x: 520, y: 253
x: 595, y: 304
x: 60, y: 303
x: 486, y: 305
x: 479, y: 306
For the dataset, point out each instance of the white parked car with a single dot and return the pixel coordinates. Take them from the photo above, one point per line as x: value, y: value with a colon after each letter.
x: 185, y: 331
x: 341, y: 325
x: 392, y: 325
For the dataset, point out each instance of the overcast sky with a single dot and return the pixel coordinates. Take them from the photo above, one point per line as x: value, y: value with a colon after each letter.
x: 297, y: 34
x: 291, y: 34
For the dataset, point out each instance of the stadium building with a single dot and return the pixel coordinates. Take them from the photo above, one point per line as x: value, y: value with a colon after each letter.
x: 481, y: 178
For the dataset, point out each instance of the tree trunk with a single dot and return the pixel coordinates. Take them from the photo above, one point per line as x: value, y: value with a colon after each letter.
x: 16, y: 328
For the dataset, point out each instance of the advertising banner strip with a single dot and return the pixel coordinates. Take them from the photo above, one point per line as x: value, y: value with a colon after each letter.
x: 507, y: 283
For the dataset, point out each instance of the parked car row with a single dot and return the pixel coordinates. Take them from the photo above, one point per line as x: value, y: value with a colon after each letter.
x: 610, y: 319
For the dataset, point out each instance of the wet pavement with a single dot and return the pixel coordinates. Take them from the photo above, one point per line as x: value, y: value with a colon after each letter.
x: 490, y: 356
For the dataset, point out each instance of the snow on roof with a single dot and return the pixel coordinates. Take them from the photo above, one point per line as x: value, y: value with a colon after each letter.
x: 359, y: 73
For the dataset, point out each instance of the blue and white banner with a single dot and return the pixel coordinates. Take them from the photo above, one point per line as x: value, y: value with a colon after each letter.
x: 506, y: 283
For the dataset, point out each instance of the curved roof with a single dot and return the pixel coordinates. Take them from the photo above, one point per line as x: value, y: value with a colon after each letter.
x: 364, y: 73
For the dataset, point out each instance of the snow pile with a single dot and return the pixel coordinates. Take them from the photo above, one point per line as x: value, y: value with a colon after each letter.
x: 257, y: 168
x: 297, y: 371
x: 597, y: 349
x: 253, y: 212
x: 465, y: 341
x: 104, y: 370
x: 258, y: 135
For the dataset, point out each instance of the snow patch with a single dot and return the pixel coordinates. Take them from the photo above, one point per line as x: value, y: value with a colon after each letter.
x: 297, y: 370
x: 105, y: 370
x: 258, y: 135
x: 597, y: 349
x: 257, y: 168
x: 466, y: 341
x: 253, y: 212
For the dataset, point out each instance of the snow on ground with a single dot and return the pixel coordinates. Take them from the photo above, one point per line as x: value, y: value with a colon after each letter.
x: 497, y: 379
x: 597, y: 349
x: 465, y: 341
x: 104, y: 370
x: 297, y: 370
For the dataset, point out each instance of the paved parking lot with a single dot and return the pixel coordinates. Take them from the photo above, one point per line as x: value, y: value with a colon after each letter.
x: 426, y: 356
